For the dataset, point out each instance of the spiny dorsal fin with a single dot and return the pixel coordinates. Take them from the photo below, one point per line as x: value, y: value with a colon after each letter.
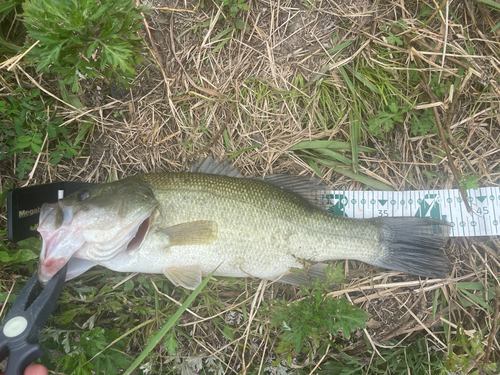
x: 209, y: 165
x: 201, y: 232
x: 309, y: 188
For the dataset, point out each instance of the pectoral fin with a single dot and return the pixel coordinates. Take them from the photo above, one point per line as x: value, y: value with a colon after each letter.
x: 188, y: 277
x: 201, y: 232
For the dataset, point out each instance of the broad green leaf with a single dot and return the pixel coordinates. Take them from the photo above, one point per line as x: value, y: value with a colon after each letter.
x: 3, y: 298
x: 349, y: 318
x: 51, y: 131
x: 364, y: 179
x: 17, y: 256
x: 228, y: 332
x: 222, y: 34
x: 341, y: 46
x: 23, y: 145
x: 489, y: 3
x: 170, y: 343
x: 336, y: 155
x: 243, y: 150
x: 36, y: 148
x: 470, y: 285
x: 332, y: 145
x: 24, y: 138
x: 477, y: 300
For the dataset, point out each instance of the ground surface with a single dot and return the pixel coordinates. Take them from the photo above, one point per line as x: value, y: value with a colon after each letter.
x: 211, y: 89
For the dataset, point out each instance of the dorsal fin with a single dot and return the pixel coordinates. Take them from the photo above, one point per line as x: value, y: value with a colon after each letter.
x: 210, y: 165
x: 308, y: 188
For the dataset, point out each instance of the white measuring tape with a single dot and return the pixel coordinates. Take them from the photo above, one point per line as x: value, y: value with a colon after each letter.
x: 437, y: 204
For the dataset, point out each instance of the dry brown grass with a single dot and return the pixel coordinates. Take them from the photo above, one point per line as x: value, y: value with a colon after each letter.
x: 192, y: 90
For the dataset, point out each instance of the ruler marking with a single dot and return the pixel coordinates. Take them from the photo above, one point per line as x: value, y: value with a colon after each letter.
x: 493, y: 218
x: 432, y: 203
x: 461, y: 215
x: 401, y: 201
x: 450, y: 200
x: 494, y: 211
x: 353, y: 207
x: 470, y: 221
x: 492, y: 195
x: 374, y: 204
x: 363, y: 201
x: 410, y: 204
x: 485, y: 222
x: 392, y: 205
x: 471, y: 201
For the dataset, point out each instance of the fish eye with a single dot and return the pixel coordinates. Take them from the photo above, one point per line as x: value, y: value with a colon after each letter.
x: 83, y: 195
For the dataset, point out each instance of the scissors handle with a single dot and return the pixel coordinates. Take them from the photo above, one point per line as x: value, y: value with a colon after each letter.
x: 21, y: 329
x: 20, y: 358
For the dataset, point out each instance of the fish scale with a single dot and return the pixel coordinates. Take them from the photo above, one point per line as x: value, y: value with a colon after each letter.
x: 249, y: 213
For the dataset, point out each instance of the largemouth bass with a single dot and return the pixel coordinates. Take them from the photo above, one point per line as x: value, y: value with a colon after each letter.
x: 184, y: 225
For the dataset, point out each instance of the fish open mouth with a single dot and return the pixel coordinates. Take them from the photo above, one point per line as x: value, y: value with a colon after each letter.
x: 139, y: 236
x: 63, y: 239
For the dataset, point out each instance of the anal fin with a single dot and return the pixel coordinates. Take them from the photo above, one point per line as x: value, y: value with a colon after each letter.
x: 298, y: 277
x: 188, y: 277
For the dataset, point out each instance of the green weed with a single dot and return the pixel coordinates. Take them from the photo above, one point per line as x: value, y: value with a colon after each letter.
x: 466, y: 354
x: 232, y: 7
x: 81, y: 39
x: 491, y: 4
x: 331, y: 154
x: 470, y: 181
x: 422, y: 122
x: 97, y: 324
x: 81, y: 347
x: 387, y: 118
x: 24, y: 254
x: 419, y: 357
x: 27, y: 125
x: 307, y: 323
x: 7, y: 18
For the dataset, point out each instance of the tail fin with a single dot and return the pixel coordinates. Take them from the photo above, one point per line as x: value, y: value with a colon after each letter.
x: 413, y: 245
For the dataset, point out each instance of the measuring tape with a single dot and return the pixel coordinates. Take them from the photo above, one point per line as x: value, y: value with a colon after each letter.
x: 437, y: 204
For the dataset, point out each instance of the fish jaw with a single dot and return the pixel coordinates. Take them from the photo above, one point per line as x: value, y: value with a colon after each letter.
x: 49, y: 268
x: 60, y: 238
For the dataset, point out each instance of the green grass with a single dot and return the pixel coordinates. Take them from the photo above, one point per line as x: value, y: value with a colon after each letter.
x: 348, y: 117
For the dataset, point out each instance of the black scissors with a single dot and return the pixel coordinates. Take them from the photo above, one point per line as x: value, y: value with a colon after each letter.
x: 20, y: 331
